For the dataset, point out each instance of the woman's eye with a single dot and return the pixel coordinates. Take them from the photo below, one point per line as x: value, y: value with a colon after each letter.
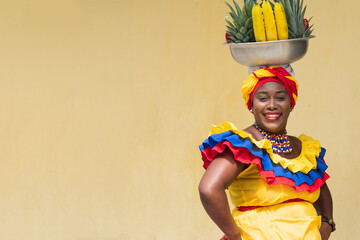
x: 263, y: 99
x: 281, y: 98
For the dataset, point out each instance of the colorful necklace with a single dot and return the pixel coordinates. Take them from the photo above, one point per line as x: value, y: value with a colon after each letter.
x: 279, y: 142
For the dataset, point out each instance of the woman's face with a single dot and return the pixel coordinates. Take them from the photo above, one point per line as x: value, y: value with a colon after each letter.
x: 271, y: 107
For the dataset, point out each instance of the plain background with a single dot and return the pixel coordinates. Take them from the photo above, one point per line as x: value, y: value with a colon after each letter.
x: 104, y: 103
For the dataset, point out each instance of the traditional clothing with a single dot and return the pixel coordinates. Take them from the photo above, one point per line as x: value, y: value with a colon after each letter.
x: 274, y: 195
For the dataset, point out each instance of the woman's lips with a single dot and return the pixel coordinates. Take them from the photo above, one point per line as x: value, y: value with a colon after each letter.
x: 272, y: 116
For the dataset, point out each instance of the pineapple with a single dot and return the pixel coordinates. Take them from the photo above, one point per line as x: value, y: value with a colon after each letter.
x: 295, y: 18
x: 241, y: 28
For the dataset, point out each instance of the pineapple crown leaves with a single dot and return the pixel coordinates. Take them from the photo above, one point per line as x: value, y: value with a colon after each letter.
x: 295, y: 13
x: 240, y: 30
x: 310, y: 28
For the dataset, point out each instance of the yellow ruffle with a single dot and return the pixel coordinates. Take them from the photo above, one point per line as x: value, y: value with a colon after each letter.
x: 303, y: 163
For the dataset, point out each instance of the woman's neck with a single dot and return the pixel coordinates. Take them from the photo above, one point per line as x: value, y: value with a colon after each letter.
x: 280, y: 143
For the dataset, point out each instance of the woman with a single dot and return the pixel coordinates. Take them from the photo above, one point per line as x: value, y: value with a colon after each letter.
x: 275, y: 181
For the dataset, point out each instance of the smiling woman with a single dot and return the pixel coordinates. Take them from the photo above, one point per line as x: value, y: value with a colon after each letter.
x: 274, y: 180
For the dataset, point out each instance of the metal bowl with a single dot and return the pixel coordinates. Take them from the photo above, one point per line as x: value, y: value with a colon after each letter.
x: 269, y: 53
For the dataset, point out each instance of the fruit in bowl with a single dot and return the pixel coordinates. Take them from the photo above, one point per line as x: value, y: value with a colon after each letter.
x: 267, y: 21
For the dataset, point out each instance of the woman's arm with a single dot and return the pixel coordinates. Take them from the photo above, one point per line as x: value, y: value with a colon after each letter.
x: 222, y: 171
x: 324, y: 207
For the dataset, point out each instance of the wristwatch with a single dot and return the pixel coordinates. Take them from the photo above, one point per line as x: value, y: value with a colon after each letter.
x: 329, y: 221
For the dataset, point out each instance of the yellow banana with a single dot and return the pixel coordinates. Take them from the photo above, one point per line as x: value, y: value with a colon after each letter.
x: 270, y: 26
x: 281, y: 24
x: 258, y: 24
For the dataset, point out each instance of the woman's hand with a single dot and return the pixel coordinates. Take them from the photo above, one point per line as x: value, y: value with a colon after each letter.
x: 325, y: 231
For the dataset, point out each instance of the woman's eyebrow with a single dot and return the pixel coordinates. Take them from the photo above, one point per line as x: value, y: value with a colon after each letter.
x: 262, y: 92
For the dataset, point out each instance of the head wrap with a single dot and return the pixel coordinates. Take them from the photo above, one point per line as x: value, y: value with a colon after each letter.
x: 269, y: 74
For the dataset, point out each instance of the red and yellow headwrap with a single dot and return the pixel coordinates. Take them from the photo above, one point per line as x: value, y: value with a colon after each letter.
x: 269, y: 74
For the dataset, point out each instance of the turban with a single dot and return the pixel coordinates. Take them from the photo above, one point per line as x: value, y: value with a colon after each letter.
x: 269, y: 74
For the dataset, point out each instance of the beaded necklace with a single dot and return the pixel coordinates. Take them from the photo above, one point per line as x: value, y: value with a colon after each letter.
x: 279, y: 142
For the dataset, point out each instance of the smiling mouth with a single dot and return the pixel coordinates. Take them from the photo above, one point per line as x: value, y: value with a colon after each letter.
x: 272, y: 116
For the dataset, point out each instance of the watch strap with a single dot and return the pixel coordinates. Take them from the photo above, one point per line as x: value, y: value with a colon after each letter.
x: 329, y: 221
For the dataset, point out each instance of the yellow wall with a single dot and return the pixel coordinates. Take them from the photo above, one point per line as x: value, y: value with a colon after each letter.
x: 103, y: 104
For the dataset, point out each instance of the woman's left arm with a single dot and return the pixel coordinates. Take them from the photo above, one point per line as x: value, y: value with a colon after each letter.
x: 324, y: 207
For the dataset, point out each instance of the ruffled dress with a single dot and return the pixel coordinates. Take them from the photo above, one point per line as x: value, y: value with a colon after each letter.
x: 274, y: 195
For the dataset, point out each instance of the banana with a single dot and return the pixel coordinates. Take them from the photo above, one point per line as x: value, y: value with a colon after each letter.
x: 258, y: 24
x: 270, y: 26
x: 281, y: 23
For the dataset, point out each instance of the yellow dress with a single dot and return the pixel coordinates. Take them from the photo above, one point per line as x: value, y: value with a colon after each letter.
x: 268, y: 182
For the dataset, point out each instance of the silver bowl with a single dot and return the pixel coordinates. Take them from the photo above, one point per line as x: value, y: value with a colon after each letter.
x: 269, y: 53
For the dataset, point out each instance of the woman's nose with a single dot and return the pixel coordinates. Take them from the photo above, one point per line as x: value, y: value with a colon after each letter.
x: 272, y: 104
